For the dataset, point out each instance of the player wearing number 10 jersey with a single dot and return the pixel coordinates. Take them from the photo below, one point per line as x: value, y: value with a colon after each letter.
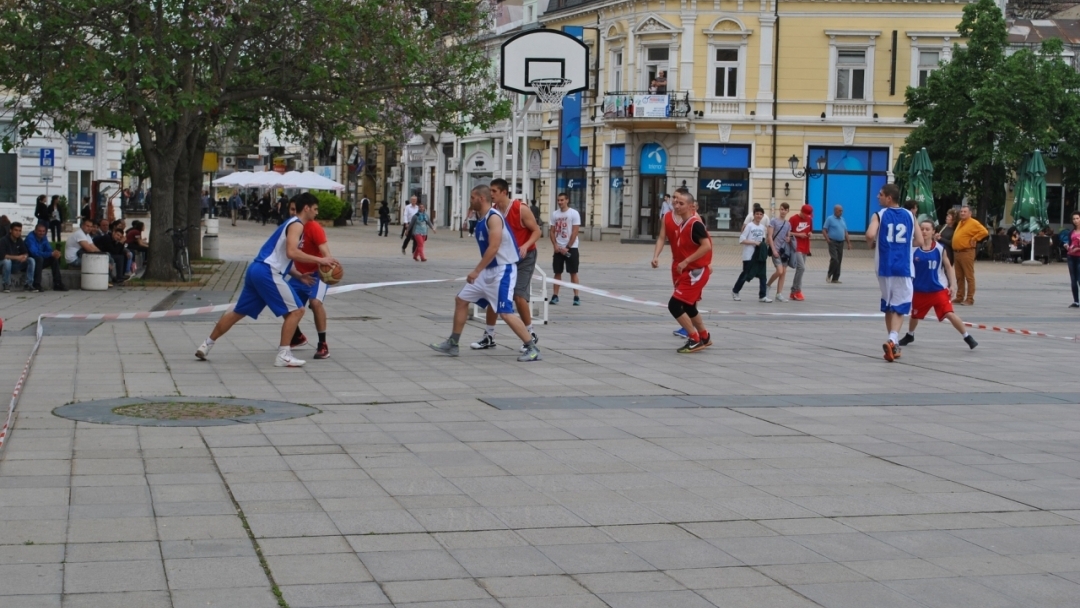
x: 894, y: 230
x: 935, y: 284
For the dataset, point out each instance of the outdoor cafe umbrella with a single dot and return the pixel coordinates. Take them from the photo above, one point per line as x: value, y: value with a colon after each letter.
x: 899, y: 171
x: 1029, y: 206
x: 920, y: 186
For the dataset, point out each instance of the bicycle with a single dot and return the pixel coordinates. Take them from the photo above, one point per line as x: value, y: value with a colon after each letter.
x: 181, y: 257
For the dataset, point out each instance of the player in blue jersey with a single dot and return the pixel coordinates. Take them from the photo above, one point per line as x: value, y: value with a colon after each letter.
x: 935, y: 286
x: 894, y: 230
x: 492, y: 281
x: 265, y: 283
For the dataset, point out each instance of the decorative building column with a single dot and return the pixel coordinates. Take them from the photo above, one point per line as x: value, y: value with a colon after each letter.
x: 686, y: 68
x: 766, y: 67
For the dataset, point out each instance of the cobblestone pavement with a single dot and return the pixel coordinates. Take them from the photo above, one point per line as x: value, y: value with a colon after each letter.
x: 787, y: 466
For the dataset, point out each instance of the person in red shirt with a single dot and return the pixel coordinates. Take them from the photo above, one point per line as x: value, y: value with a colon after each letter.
x: 312, y: 242
x: 691, y: 256
x: 802, y: 226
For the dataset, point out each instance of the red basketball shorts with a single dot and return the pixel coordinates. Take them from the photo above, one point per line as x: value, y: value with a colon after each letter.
x: 689, y: 284
x: 921, y: 304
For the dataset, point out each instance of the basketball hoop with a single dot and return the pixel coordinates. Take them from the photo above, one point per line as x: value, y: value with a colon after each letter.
x: 550, y: 91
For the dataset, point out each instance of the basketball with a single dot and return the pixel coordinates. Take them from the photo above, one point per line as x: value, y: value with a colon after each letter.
x: 331, y: 274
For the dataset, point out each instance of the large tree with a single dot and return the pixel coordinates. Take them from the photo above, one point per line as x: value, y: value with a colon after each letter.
x: 169, y: 70
x: 984, y: 109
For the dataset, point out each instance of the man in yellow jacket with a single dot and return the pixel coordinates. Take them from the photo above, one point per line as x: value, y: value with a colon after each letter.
x: 967, y: 235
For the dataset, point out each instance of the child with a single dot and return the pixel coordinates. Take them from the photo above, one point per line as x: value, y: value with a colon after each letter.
x: 932, y: 272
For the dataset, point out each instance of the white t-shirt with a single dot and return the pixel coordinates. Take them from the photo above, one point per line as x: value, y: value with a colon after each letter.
x: 665, y: 208
x: 408, y: 213
x: 752, y: 232
x: 72, y: 248
x: 562, y: 225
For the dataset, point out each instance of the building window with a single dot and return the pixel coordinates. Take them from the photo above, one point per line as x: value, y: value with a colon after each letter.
x: 656, y: 63
x: 616, y: 182
x: 617, y: 71
x: 852, y: 178
x: 928, y: 62
x: 726, y: 73
x: 9, y: 173
x: 724, y: 185
x: 850, y: 74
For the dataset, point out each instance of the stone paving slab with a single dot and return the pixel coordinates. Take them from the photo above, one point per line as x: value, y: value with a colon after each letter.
x: 786, y: 466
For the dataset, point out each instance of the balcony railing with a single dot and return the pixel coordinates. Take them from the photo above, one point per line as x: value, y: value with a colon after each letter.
x: 646, y: 105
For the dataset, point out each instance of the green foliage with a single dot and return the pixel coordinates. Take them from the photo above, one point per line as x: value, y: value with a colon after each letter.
x: 330, y: 206
x: 62, y: 207
x: 134, y: 165
x: 983, y: 110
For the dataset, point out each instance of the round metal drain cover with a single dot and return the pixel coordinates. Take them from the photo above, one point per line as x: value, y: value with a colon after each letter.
x: 182, y: 411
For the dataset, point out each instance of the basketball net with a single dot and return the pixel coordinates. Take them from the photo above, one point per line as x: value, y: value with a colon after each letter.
x: 550, y: 91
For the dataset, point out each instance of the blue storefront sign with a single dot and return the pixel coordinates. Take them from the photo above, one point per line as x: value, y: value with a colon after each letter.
x: 653, y: 160
x: 82, y: 144
x: 571, y: 183
x: 723, y: 185
x: 617, y: 182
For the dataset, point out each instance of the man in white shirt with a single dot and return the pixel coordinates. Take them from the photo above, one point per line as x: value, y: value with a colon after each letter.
x: 665, y: 206
x: 753, y: 235
x: 565, y: 223
x: 406, y: 219
x: 80, y: 242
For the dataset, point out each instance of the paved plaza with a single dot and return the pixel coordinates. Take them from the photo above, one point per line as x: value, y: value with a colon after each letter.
x: 787, y: 466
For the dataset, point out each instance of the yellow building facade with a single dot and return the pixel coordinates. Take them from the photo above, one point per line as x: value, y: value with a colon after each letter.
x: 749, y: 86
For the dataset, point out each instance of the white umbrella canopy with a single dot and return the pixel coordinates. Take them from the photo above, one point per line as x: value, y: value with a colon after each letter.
x: 232, y: 180
x: 313, y: 181
x: 308, y: 180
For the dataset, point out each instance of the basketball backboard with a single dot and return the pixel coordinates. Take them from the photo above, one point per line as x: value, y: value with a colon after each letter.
x: 542, y: 54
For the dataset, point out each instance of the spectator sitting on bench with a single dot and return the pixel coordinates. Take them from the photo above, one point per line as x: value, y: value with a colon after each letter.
x: 37, y: 243
x: 80, y: 242
x: 113, y: 244
x: 135, y: 241
x: 15, y: 257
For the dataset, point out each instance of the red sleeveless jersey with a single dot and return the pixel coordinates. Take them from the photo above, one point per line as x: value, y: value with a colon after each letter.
x: 513, y: 220
x: 682, y: 245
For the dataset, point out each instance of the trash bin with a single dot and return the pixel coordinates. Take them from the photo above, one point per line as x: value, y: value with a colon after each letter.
x: 211, y: 226
x: 95, y: 271
x: 210, y: 246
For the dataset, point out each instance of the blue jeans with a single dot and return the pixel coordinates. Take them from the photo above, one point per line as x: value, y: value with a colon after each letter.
x: 26, y: 267
x: 1074, y: 276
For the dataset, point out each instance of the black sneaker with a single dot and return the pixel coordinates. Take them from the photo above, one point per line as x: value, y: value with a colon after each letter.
x: 970, y: 341
x: 692, y: 346
x: 298, y: 341
x: 907, y: 339
x: 535, y: 339
x: 488, y: 341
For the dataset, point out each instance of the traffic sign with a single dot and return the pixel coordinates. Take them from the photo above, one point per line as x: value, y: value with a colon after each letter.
x: 46, y: 157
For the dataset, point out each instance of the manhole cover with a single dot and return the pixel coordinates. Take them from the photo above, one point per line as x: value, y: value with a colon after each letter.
x: 182, y: 411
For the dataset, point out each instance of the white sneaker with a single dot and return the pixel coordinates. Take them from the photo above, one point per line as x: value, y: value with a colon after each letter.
x: 766, y: 300
x: 780, y: 298
x: 203, y: 351
x: 736, y: 297
x: 288, y: 361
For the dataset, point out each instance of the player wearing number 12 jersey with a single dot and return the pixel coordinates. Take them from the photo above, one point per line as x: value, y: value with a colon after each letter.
x: 894, y: 230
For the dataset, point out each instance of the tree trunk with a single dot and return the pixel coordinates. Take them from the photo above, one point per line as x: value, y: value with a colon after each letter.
x: 162, y: 175
x: 194, y: 193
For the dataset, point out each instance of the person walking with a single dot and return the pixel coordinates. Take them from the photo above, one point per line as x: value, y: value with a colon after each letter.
x: 406, y: 222
x: 419, y: 228
x: 365, y: 208
x: 753, y: 264
x: 836, y: 236
x: 1073, y: 251
x: 965, y: 239
x: 777, y: 237
x: 384, y: 219
x: 799, y: 238
x: 565, y: 224
x: 234, y: 206
x: 893, y: 228
x: 691, y: 259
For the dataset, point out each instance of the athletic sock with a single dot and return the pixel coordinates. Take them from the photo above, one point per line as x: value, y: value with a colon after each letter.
x: 322, y: 337
x: 695, y: 337
x: 894, y: 337
x: 455, y: 338
x: 704, y: 336
x: 209, y: 342
x: 529, y: 329
x: 966, y: 334
x: 283, y: 351
x: 490, y: 330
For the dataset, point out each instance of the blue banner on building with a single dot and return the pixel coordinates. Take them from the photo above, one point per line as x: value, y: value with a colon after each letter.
x: 653, y: 160
x: 723, y: 185
x: 82, y: 144
x: 570, y: 124
x: 571, y: 183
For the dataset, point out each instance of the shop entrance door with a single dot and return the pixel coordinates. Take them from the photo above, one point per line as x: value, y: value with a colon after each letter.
x: 651, y: 195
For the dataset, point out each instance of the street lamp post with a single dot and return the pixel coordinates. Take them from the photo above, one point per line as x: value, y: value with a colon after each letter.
x: 807, y: 171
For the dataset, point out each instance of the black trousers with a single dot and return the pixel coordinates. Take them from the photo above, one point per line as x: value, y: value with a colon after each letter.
x: 384, y: 227
x: 409, y: 237
x: 54, y: 229
x: 40, y: 264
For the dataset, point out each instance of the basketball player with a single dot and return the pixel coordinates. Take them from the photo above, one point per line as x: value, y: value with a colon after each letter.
x: 520, y: 220
x: 893, y: 256
x: 314, y: 244
x: 265, y: 283
x: 493, y: 280
x: 691, y: 255
x: 935, y: 286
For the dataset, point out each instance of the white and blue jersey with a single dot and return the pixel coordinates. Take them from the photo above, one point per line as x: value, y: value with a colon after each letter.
x: 508, y: 249
x: 273, y: 252
x: 929, y: 271
x: 893, y: 254
x: 264, y: 282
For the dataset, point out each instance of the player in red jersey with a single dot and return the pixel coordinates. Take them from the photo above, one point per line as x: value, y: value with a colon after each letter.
x: 691, y: 255
x: 313, y: 242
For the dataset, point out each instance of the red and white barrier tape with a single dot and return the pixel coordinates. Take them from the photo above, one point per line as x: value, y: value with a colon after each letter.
x: 137, y: 316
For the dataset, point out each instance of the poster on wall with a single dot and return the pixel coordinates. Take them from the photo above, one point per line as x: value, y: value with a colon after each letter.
x: 650, y: 106
x: 82, y: 144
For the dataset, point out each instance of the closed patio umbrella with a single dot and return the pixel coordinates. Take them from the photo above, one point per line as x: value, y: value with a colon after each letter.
x: 900, y: 171
x: 1029, y: 208
x: 920, y: 186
